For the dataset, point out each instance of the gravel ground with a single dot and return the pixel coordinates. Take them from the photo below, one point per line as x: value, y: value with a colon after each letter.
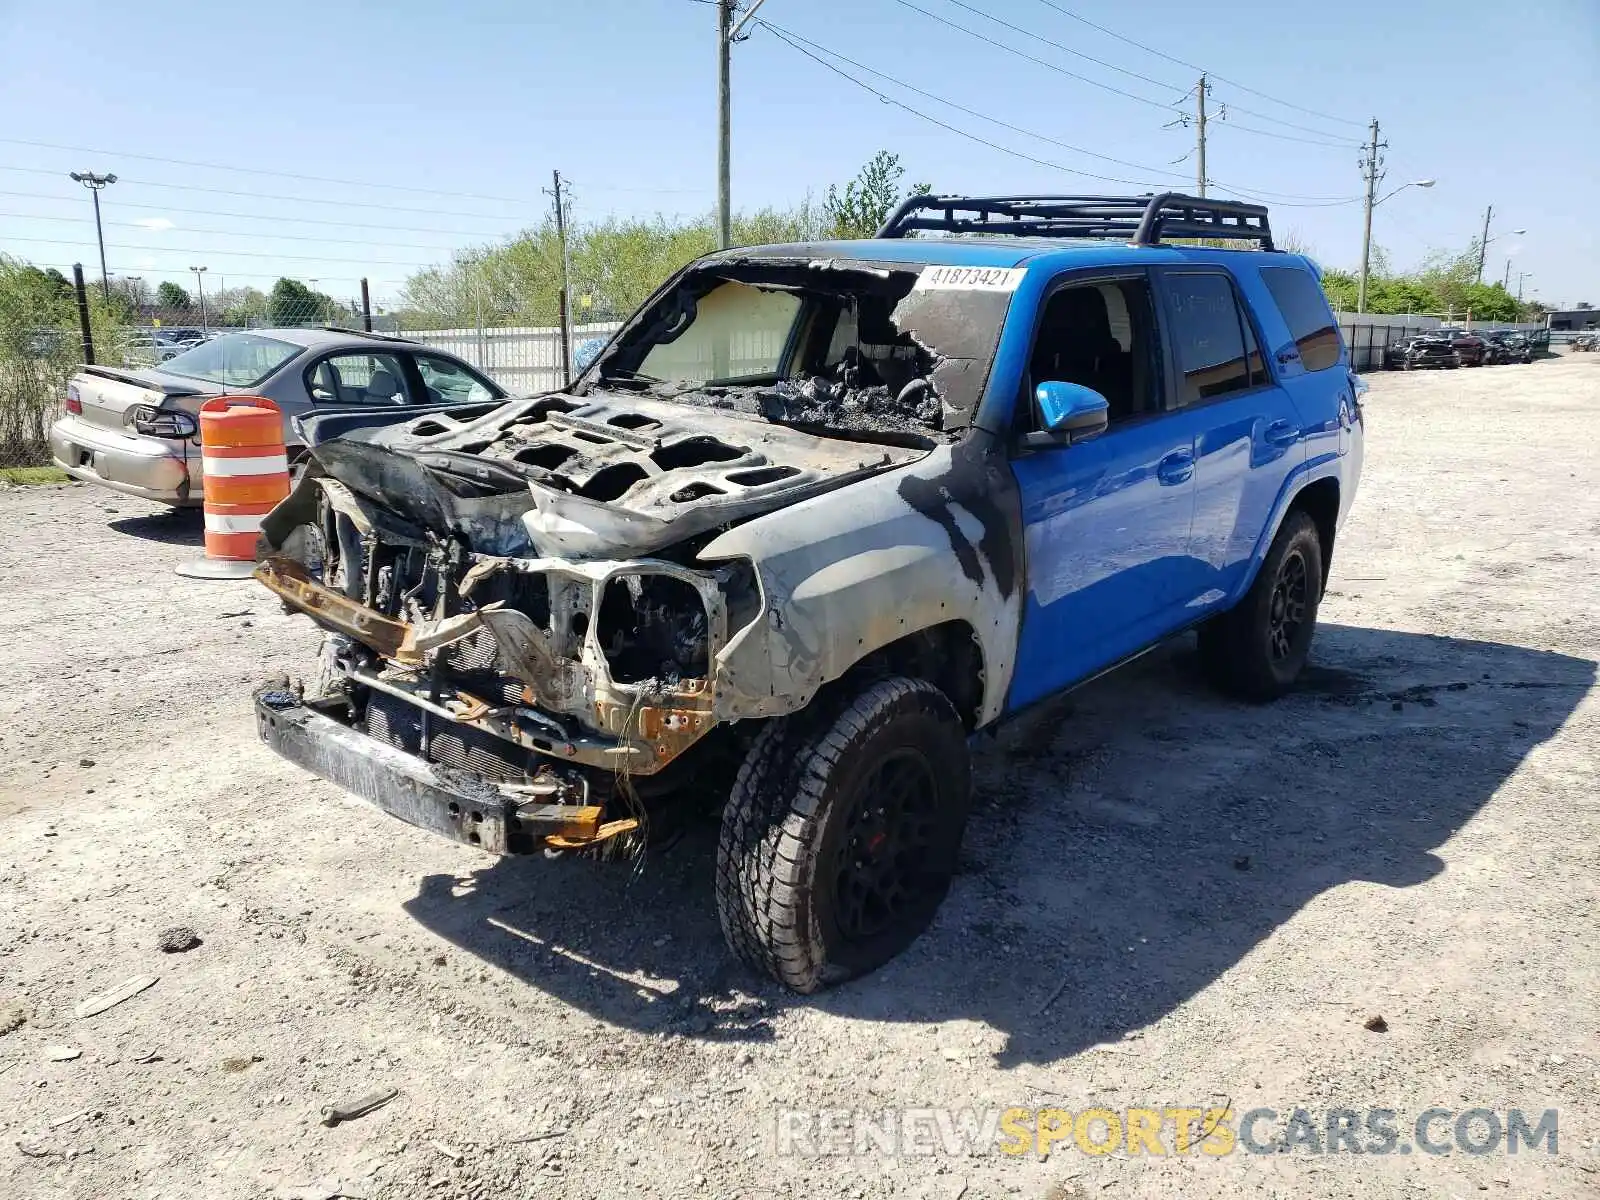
x: 1167, y: 899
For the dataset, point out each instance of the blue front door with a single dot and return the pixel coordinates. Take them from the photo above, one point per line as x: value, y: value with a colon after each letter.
x: 1106, y: 520
x: 1107, y: 535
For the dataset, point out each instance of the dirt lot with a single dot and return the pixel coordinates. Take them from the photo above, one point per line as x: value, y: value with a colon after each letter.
x: 1167, y: 899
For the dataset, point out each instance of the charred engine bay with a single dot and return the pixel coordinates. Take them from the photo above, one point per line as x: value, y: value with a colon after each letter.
x: 606, y: 475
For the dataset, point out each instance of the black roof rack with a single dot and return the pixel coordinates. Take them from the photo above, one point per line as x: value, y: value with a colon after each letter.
x: 1142, y: 220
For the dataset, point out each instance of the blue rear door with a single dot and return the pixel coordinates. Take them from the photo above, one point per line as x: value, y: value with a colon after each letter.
x: 1249, y: 435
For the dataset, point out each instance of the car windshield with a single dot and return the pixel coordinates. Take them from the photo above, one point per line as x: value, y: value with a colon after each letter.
x: 828, y: 345
x: 238, y: 360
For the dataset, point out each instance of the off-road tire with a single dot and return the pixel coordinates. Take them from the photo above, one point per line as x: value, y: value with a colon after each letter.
x: 1248, y: 651
x: 782, y: 896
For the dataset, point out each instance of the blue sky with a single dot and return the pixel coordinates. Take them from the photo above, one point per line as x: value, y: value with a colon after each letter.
x: 476, y: 101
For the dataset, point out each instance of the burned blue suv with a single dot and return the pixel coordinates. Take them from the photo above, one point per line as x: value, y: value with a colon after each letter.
x: 814, y: 515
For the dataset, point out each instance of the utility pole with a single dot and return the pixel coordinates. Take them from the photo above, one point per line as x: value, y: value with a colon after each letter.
x: 1483, y: 243
x: 1370, y: 170
x: 1506, y: 282
x: 724, y: 123
x: 566, y: 283
x: 95, y: 183
x: 1200, y: 126
x: 200, y: 283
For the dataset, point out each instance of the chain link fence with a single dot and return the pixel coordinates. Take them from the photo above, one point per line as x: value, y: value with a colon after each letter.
x: 41, y: 344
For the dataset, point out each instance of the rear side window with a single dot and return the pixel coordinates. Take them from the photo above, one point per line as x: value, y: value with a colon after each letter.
x: 1209, y: 335
x: 1305, y: 311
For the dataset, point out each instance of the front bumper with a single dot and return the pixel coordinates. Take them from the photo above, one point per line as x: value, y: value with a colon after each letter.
x: 464, y: 808
x: 147, y: 467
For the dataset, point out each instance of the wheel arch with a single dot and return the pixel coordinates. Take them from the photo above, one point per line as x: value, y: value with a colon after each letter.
x: 1315, y: 491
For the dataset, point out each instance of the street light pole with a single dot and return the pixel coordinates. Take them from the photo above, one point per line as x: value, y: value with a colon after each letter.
x: 200, y: 283
x: 1521, y: 275
x: 1371, y: 165
x: 95, y: 183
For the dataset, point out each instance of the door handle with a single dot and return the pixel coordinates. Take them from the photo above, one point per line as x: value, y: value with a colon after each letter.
x: 1176, y: 467
x: 1281, y: 433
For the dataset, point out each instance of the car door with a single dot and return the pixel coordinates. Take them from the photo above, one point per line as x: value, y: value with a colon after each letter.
x: 1248, y: 435
x: 358, y: 379
x: 1106, y: 520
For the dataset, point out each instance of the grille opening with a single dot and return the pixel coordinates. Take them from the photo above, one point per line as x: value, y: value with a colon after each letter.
x: 549, y: 456
x: 609, y: 483
x: 695, y: 452
x: 762, y: 475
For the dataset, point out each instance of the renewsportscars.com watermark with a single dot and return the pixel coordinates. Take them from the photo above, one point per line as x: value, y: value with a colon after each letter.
x: 1169, y: 1130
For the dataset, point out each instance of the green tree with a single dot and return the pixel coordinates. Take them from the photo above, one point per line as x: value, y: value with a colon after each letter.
x: 293, y: 303
x: 170, y: 295
x: 40, y: 347
x: 860, y: 208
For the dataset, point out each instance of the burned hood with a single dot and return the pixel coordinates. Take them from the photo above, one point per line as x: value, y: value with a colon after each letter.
x: 592, y: 477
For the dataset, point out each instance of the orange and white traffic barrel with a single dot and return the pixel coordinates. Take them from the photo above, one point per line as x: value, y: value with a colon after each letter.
x: 246, y: 475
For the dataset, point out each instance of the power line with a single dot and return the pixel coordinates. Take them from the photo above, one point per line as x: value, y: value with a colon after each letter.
x: 194, y: 187
x: 396, y: 187
x: 287, y: 237
x: 1096, y: 83
x: 1060, y: 70
x: 315, y: 258
x: 781, y: 32
x: 212, y: 212
x: 800, y: 44
x: 887, y: 99
x: 1099, y: 62
x: 1283, y: 137
x: 1068, y: 13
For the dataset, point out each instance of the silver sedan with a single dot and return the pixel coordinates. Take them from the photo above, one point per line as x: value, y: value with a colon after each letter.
x: 137, y: 431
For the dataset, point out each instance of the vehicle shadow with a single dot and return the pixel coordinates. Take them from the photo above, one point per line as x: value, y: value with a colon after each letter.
x: 172, y: 526
x: 1130, y: 843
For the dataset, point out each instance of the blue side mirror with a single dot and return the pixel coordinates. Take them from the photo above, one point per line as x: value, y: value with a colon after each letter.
x: 1070, y: 410
x: 586, y: 351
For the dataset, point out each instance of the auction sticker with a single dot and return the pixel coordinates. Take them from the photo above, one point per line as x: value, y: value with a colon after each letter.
x: 970, y: 279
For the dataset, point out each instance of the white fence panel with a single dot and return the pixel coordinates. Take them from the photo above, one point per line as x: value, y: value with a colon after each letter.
x: 524, y: 359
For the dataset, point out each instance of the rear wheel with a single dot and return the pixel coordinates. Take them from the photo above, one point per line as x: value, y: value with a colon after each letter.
x: 840, y: 838
x: 1257, y: 649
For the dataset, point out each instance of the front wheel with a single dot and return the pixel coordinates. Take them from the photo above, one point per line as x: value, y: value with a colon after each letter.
x: 840, y: 838
x: 1257, y: 649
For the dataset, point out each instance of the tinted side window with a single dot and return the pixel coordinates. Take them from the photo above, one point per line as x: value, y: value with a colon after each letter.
x: 1208, y: 336
x: 1305, y: 311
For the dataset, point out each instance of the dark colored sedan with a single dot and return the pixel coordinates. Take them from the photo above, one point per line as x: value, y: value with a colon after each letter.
x: 1420, y: 352
x: 1470, y: 348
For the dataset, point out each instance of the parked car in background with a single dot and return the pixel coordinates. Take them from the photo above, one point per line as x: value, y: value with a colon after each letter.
x: 1421, y: 351
x: 148, y: 347
x: 1586, y: 342
x: 1469, y: 346
x: 137, y: 431
x: 1508, y: 346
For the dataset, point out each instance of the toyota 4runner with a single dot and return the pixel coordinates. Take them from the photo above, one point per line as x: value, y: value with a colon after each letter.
x: 816, y: 514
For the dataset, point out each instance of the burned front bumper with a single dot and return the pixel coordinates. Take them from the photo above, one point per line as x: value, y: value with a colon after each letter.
x: 463, y: 807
